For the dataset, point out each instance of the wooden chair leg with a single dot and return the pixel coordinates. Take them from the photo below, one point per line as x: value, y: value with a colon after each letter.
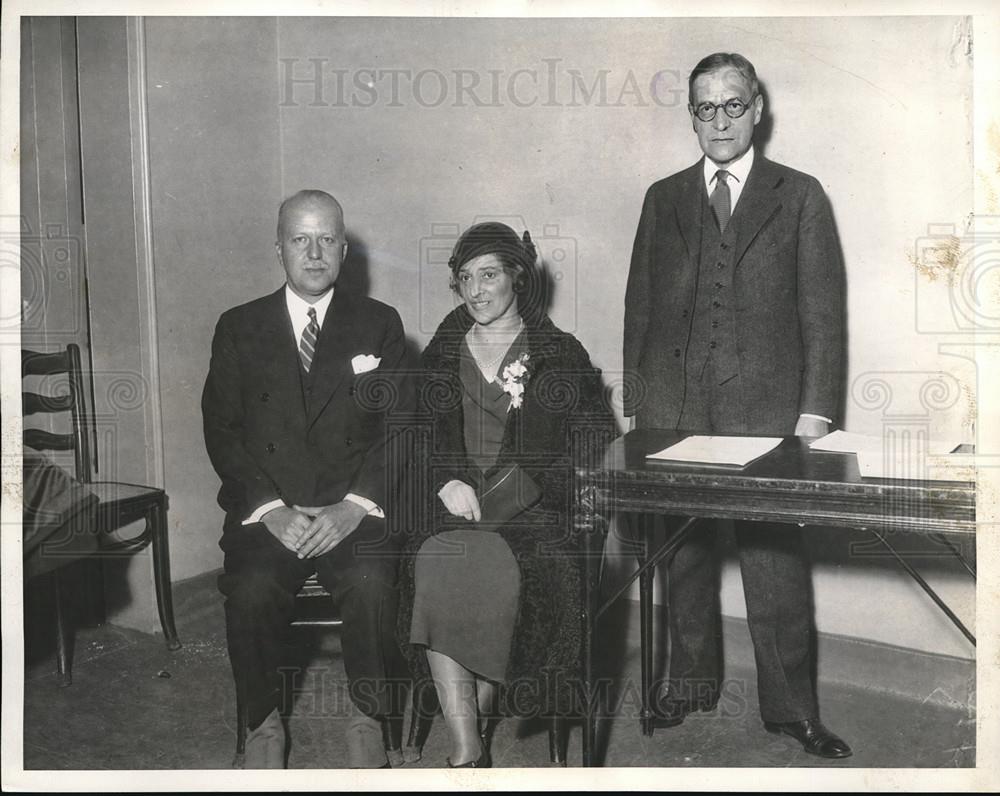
x: 241, y: 731
x: 393, y: 733
x: 421, y: 719
x: 557, y: 740
x: 392, y: 740
x: 161, y: 573
x: 97, y: 613
x: 65, y: 635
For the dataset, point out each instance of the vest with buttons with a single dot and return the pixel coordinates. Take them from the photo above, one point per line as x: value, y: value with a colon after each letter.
x: 711, y: 349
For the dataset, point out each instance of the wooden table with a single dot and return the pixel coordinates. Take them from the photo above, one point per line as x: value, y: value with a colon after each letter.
x: 791, y: 484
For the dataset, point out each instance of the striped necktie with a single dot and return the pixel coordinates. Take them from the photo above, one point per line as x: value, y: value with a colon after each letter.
x: 307, y: 345
x: 720, y: 200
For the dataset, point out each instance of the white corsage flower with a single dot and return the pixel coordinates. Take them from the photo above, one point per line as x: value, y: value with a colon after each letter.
x: 513, y: 379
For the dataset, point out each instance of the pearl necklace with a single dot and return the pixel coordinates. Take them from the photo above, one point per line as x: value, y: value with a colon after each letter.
x: 491, y: 366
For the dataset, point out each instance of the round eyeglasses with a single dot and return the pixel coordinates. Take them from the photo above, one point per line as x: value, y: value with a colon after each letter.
x: 734, y: 108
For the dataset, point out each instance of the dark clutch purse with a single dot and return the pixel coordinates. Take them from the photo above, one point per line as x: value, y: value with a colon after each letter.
x: 506, y: 494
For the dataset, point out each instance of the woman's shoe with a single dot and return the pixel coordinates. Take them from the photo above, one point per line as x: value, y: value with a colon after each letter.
x: 484, y: 761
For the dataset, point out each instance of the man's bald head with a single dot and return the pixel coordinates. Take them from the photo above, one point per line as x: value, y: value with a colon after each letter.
x: 312, y: 198
x: 312, y: 242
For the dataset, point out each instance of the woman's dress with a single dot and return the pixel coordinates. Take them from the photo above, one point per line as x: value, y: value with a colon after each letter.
x: 467, y: 581
x: 563, y: 421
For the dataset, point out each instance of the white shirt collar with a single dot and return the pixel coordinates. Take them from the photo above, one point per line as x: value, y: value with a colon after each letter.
x: 298, y: 309
x: 738, y: 170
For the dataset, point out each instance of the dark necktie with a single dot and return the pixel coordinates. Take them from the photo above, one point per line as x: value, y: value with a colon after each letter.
x: 720, y: 199
x: 307, y: 345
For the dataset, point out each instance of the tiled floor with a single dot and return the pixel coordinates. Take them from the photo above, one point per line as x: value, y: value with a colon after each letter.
x: 134, y: 705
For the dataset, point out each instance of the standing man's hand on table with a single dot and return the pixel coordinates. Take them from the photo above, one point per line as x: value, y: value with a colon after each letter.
x: 811, y: 427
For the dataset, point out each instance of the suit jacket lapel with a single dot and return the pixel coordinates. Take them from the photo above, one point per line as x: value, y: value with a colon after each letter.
x: 332, y: 365
x: 279, y: 355
x: 760, y: 200
x: 688, y: 210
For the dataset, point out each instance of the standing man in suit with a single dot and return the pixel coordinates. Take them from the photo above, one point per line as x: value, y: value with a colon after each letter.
x: 299, y: 442
x: 734, y: 323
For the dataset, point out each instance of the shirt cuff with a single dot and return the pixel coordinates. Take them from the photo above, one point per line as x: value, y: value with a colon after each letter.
x: 260, y: 512
x: 817, y: 417
x: 368, y: 505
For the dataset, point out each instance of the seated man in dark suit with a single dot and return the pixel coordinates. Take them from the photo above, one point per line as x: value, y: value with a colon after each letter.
x: 734, y: 323
x: 301, y: 454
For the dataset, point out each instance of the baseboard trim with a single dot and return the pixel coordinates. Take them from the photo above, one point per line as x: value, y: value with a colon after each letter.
x: 925, y: 677
x: 917, y: 675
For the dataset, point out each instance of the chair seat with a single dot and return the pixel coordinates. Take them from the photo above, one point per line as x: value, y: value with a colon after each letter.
x: 113, y: 509
x: 120, y: 506
x: 316, y: 608
x: 115, y: 492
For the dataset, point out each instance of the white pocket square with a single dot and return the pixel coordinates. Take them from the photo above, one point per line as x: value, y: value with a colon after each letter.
x: 362, y: 363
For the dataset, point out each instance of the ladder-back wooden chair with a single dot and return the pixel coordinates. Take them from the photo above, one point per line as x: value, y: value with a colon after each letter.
x: 119, y: 503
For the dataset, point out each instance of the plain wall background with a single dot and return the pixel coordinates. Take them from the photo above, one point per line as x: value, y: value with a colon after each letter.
x: 879, y: 110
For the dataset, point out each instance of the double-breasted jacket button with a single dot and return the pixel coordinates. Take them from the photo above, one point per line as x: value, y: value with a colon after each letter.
x: 349, y: 441
x: 270, y: 447
x: 265, y: 397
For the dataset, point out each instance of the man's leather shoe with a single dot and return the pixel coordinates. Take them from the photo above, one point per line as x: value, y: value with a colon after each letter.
x: 365, y: 748
x: 265, y: 745
x: 814, y: 737
x: 670, y: 710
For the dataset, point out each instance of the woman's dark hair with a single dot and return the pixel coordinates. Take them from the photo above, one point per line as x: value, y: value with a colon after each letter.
x: 517, y: 256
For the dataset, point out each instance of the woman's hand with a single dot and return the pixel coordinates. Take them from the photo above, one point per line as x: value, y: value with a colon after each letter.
x: 460, y: 499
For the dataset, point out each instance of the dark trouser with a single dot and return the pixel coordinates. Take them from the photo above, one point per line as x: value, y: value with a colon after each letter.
x: 260, y: 581
x: 776, y: 585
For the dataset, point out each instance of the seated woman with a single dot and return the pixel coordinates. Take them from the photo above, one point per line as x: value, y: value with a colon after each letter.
x: 492, y: 604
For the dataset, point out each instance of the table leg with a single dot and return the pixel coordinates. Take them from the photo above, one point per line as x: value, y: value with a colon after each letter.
x: 593, y: 550
x: 927, y: 588
x: 646, y: 621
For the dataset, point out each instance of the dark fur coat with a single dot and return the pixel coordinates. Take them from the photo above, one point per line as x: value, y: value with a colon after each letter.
x: 563, y: 421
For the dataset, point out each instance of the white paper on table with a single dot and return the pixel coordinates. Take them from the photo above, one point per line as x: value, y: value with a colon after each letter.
x: 846, y: 442
x: 916, y: 464
x: 849, y: 442
x: 731, y: 451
